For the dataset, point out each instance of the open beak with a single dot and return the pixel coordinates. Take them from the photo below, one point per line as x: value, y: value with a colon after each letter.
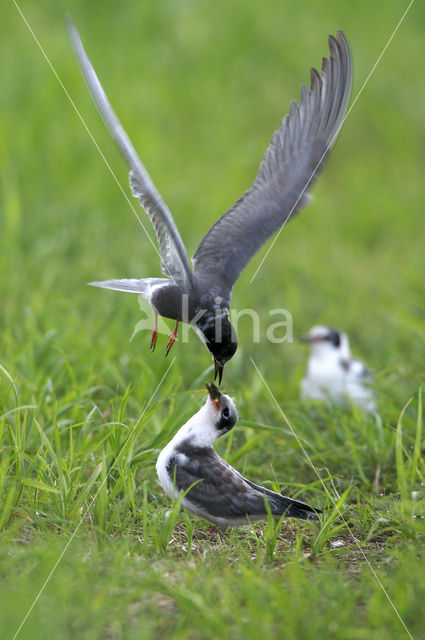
x: 218, y: 372
x: 215, y: 395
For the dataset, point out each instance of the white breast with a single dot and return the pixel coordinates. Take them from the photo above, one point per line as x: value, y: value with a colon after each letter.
x: 161, y: 470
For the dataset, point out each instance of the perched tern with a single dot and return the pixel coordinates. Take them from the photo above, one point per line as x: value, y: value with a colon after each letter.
x: 217, y: 492
x: 332, y: 373
x: 290, y: 166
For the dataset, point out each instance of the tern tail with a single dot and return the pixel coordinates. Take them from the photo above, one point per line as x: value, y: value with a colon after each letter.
x: 131, y: 285
x: 296, y: 509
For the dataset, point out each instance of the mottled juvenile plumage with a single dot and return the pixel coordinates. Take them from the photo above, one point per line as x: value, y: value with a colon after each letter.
x: 217, y: 492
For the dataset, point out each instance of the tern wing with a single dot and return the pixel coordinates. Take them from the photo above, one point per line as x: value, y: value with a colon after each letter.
x: 358, y: 369
x: 291, y: 164
x: 174, y: 260
x: 221, y: 491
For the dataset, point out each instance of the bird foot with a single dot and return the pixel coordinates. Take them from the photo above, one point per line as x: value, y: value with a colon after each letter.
x: 172, y: 339
x: 153, y: 340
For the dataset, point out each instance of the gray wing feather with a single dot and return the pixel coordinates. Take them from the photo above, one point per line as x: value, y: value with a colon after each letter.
x: 296, y: 508
x: 174, y: 260
x: 220, y: 490
x: 289, y: 167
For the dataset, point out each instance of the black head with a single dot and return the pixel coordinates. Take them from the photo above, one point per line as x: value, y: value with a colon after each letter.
x: 220, y: 338
x: 226, y: 415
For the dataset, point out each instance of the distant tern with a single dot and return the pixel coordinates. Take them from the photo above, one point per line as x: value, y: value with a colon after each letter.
x: 332, y: 374
x: 218, y: 492
x: 290, y: 166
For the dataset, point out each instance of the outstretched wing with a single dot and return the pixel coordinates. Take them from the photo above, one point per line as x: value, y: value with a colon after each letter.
x: 290, y: 165
x: 174, y: 260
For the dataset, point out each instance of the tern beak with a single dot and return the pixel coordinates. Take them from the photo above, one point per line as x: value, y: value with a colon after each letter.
x: 215, y: 395
x: 305, y: 337
x: 218, y: 372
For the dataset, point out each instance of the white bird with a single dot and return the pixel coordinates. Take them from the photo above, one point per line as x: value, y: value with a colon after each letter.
x: 332, y: 374
x: 217, y: 492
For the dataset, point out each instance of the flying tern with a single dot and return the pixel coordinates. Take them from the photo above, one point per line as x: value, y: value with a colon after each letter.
x: 291, y: 164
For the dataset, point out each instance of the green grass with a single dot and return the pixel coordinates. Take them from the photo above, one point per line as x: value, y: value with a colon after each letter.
x: 200, y: 88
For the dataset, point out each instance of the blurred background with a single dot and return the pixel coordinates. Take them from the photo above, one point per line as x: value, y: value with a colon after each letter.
x: 200, y: 87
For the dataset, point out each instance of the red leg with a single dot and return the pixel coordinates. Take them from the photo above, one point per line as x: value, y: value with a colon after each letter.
x: 154, y: 334
x: 172, y: 338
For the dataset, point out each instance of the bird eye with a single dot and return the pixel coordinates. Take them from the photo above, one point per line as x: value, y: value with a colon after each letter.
x: 225, y: 413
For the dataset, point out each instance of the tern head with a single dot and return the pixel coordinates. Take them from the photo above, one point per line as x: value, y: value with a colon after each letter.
x: 220, y: 339
x: 221, y: 410
x: 326, y: 340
